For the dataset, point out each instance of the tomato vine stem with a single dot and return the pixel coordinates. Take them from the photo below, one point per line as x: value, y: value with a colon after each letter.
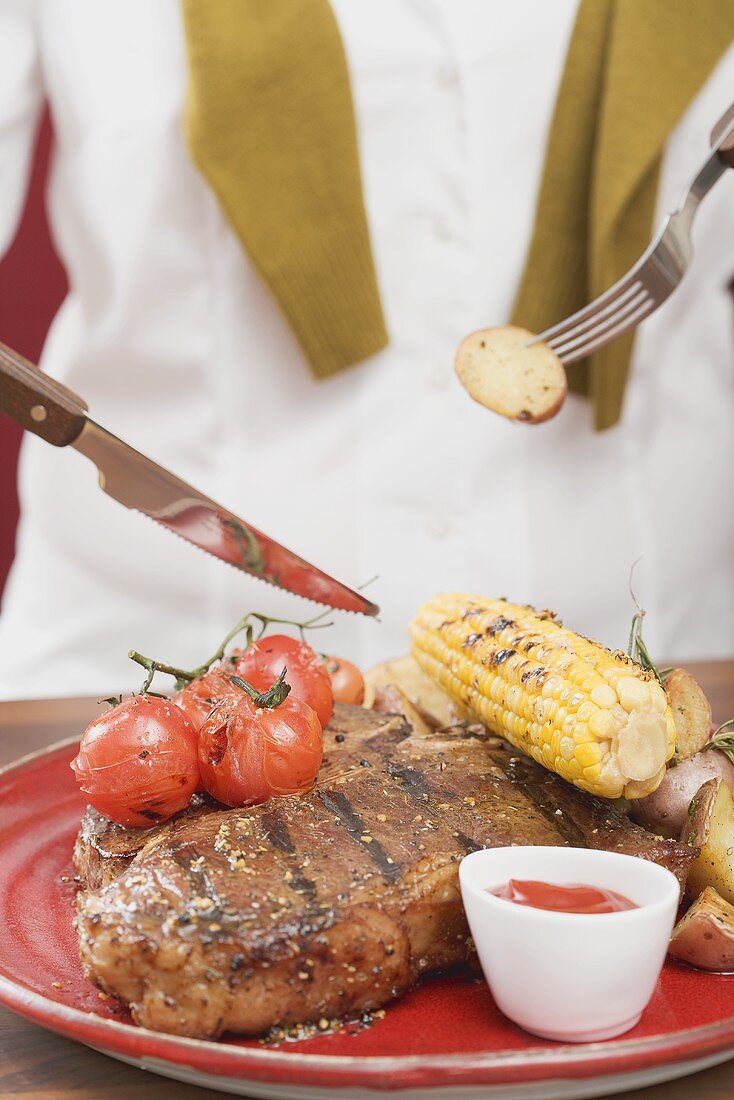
x: 246, y: 625
x: 276, y: 694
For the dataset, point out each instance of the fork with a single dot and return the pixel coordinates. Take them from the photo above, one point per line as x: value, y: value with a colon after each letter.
x: 657, y: 272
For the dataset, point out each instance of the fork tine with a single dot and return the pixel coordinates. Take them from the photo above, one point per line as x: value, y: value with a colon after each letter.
x: 601, y: 323
x: 630, y: 321
x: 603, y: 301
x: 593, y: 316
x: 649, y: 282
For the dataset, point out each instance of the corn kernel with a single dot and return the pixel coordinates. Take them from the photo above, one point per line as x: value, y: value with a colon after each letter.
x: 551, y: 687
x: 567, y: 748
x: 582, y: 733
x: 585, y: 711
x: 633, y: 694
x: 604, y: 696
x: 591, y: 682
x: 588, y: 754
x: 602, y: 724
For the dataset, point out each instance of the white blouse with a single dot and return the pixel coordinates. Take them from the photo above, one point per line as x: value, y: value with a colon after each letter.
x: 388, y: 468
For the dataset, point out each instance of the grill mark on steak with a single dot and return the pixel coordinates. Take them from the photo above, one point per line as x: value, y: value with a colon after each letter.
x: 202, y: 881
x: 276, y: 831
x: 338, y: 804
x: 386, y: 741
x: 413, y: 780
x: 416, y: 784
x: 467, y: 843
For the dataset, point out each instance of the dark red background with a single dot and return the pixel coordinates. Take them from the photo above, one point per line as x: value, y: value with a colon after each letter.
x: 32, y: 286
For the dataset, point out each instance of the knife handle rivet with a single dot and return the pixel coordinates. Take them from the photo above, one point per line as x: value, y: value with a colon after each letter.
x: 38, y: 413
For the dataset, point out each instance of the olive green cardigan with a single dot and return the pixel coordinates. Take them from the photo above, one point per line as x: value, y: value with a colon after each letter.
x: 270, y: 123
x: 632, y: 68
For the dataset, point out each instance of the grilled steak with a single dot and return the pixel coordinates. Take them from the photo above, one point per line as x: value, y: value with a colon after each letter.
x: 328, y: 904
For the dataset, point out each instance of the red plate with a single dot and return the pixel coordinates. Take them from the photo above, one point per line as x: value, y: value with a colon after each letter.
x: 445, y: 1036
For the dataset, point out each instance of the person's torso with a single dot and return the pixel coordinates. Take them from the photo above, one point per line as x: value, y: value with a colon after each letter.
x: 389, y: 468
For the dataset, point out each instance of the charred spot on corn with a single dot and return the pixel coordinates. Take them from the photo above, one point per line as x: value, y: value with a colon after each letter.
x: 502, y: 655
x: 498, y: 625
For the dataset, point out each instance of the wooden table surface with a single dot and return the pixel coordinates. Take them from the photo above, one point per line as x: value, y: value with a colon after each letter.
x: 35, y: 1063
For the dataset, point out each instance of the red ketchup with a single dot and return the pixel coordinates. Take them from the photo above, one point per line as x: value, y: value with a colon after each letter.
x: 562, y: 899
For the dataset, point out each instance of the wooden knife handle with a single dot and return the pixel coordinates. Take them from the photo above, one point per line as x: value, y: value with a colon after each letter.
x: 41, y: 404
x: 726, y: 146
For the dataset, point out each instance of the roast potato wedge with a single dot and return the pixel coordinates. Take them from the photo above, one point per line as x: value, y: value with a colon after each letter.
x: 497, y: 368
x: 666, y: 809
x: 710, y: 827
x: 433, y: 704
x: 705, y: 935
x: 691, y: 713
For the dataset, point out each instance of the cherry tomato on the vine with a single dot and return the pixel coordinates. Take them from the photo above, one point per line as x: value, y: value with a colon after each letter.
x: 263, y: 661
x: 347, y: 681
x: 201, y: 695
x: 138, y: 763
x: 248, y: 753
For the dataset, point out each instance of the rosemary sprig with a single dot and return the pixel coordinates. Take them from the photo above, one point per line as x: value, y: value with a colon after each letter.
x: 722, y: 740
x: 636, y: 648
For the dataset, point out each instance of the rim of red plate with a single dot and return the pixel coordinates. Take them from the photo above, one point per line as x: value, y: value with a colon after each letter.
x: 410, y: 1070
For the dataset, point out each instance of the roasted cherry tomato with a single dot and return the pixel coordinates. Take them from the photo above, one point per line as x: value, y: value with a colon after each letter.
x: 200, y: 697
x: 347, y: 681
x: 248, y: 753
x: 138, y: 763
x: 262, y: 662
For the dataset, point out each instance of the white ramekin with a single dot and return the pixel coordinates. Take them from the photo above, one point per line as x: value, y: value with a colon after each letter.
x: 570, y: 976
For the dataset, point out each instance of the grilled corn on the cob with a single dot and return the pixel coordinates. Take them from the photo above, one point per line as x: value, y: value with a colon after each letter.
x: 594, y: 717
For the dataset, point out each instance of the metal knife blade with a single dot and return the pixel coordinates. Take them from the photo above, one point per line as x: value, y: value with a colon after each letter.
x: 50, y: 410
x: 139, y: 483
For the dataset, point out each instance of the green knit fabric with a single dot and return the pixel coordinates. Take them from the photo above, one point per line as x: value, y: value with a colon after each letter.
x: 270, y: 124
x: 632, y: 68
